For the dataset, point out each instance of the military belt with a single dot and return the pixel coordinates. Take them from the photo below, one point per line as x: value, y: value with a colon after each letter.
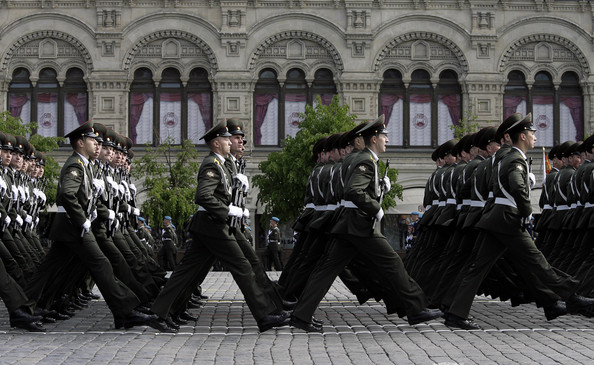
x: 562, y: 207
x: 349, y: 204
x: 588, y: 205
x: 451, y: 201
x: 201, y: 209
x: 331, y: 207
x: 435, y: 202
x: 459, y: 206
x: 505, y: 201
x: 547, y: 207
x: 320, y: 207
x: 490, y: 194
x: 466, y: 202
x: 442, y: 203
x: 310, y: 206
x: 61, y: 209
x: 477, y: 203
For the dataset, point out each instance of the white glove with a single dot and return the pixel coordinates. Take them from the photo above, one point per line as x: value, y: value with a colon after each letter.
x: 116, y: 225
x: 15, y: 193
x: 42, y: 197
x: 133, y: 189
x: 19, y: 220
x: 22, y: 194
x: 246, y: 213
x: 7, y: 220
x: 136, y: 212
x: 99, y: 186
x: 129, y: 209
x: 387, y: 184
x: 126, y: 190
x: 111, y: 215
x: 28, y: 219
x: 526, y: 220
x: 235, y: 211
x: 379, y: 215
x: 86, y: 226
x: 93, y: 215
x: 121, y: 190
x: 35, y: 191
x: 36, y: 222
x: 532, y: 180
x: 3, y: 186
x: 245, y: 183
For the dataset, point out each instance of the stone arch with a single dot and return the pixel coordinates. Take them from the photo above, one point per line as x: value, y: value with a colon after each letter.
x: 293, y: 35
x: 12, y: 51
x: 171, y: 34
x: 416, y: 37
x: 504, y: 63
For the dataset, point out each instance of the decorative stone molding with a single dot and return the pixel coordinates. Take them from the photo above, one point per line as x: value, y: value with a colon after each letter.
x: 449, y: 50
x: 67, y: 47
x: 522, y: 50
x: 202, y: 47
x: 273, y: 47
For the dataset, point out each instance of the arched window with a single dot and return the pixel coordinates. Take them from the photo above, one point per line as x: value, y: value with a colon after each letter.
x: 571, y: 108
x: 176, y: 111
x: 392, y: 93
x: 277, y: 109
x: 557, y: 113
x: 421, y: 117
x: 199, y: 104
x: 56, y: 109
x: 515, y: 99
x: 266, y: 113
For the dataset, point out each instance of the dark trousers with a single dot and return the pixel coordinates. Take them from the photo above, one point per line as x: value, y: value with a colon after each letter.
x: 522, y: 253
x: 11, y: 293
x: 194, y: 266
x: 120, y: 299
x: 375, y: 251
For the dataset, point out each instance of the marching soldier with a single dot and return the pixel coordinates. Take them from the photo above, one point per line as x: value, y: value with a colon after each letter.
x: 357, y: 234
x: 74, y: 240
x: 212, y: 240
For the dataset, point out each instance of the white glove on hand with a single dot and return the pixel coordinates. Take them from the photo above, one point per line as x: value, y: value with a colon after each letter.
x: 93, y: 215
x: 86, y: 226
x: 36, y: 222
x: 235, y: 211
x: 7, y: 220
x: 246, y: 213
x: 526, y: 220
x: 245, y: 183
x: 111, y: 215
x: 133, y: 189
x: 122, y: 190
x: 19, y: 220
x: 42, y: 197
x: 15, y: 193
x: 379, y: 215
x: 387, y: 184
x: 136, y: 212
x: 99, y: 186
x: 28, y: 219
x: 22, y: 194
x: 116, y: 225
x: 532, y: 180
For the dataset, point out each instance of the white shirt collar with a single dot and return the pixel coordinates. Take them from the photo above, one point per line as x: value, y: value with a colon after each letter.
x: 374, y: 155
x: 85, y: 160
x: 221, y: 157
x: 521, y: 152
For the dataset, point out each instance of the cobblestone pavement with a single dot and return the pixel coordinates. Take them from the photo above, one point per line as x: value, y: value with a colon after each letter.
x: 226, y: 333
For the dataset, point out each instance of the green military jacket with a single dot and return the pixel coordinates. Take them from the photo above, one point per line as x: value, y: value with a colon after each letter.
x: 510, y: 178
x: 213, y: 195
x: 363, y: 190
x: 74, y: 193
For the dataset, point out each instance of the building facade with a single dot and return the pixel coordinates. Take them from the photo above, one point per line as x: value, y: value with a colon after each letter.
x: 157, y: 69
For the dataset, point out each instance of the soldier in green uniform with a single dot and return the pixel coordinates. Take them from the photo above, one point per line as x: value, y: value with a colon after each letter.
x: 169, y: 244
x: 73, y: 239
x: 212, y: 240
x: 503, y: 227
x: 357, y: 234
x: 273, y: 249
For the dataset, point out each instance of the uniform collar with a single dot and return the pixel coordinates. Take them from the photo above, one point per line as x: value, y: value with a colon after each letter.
x: 521, y: 152
x: 220, y: 157
x: 85, y: 160
x: 374, y: 155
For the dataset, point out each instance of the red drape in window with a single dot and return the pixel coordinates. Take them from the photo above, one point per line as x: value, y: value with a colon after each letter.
x: 295, y: 97
x: 79, y: 103
x: 453, y: 104
x: 387, y: 102
x: 575, y: 105
x: 326, y: 98
x: 47, y: 98
x: 262, y: 101
x: 137, y: 104
x: 203, y: 101
x: 420, y: 98
x: 16, y: 104
x: 510, y: 104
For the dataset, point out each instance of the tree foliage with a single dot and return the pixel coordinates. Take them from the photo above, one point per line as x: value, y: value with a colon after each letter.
x: 168, y: 176
x: 468, y: 124
x: 285, y: 173
x: 16, y: 126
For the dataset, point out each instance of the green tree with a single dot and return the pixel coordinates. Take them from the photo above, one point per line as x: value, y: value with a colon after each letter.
x: 16, y: 126
x: 284, y: 174
x: 468, y: 124
x: 168, y: 174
